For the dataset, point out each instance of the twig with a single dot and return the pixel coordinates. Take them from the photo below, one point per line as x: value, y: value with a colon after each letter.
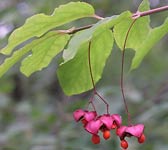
x: 98, y: 17
x: 149, y: 12
x: 74, y: 30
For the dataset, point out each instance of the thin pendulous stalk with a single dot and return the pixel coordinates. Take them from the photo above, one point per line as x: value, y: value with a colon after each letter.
x: 90, y: 68
x: 107, y: 105
x: 92, y: 79
x: 91, y: 102
x: 122, y: 73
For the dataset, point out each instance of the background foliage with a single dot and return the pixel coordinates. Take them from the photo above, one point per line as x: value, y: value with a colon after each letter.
x: 35, y: 114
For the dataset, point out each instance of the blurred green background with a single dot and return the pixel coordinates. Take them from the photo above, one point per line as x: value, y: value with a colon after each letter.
x: 36, y: 115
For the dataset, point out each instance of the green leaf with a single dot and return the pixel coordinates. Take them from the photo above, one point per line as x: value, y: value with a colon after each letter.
x: 141, y: 37
x: 43, y: 53
x: 78, y: 39
x: 74, y: 75
x: 17, y: 55
x: 138, y: 32
x: 39, y: 24
x: 9, y: 62
x: 152, y: 38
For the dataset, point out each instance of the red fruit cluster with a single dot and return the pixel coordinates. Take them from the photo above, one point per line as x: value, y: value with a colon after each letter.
x: 93, y: 123
x: 128, y: 131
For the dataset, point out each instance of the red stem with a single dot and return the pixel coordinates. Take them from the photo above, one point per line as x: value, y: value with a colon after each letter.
x: 135, y: 16
x: 122, y: 73
x: 91, y: 102
x: 107, y: 105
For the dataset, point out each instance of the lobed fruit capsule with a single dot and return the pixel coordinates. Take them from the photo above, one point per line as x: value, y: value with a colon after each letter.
x: 124, y: 144
x: 106, y: 134
x: 95, y: 139
x: 142, y: 138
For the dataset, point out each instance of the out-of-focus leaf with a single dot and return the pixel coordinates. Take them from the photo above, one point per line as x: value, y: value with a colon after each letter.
x: 39, y: 24
x: 152, y: 38
x: 9, y: 62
